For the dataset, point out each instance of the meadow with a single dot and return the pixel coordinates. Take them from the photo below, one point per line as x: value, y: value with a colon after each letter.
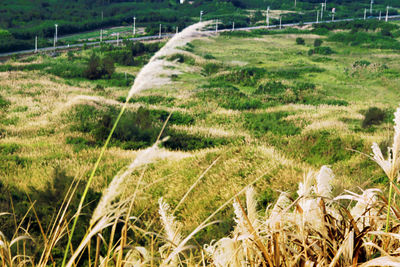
x: 261, y: 108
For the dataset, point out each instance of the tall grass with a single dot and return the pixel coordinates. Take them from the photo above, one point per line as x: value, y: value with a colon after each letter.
x: 148, y: 72
x: 312, y: 228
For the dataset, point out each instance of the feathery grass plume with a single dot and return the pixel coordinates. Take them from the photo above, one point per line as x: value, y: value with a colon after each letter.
x: 383, y: 261
x: 324, y: 178
x: 306, y: 187
x: 115, y: 189
x: 136, y: 257
x: 277, y: 211
x: 225, y: 252
x: 390, y: 166
x: 141, y: 83
x: 365, y: 207
x: 149, y: 74
x: 172, y: 231
x: 251, y: 205
x: 241, y: 229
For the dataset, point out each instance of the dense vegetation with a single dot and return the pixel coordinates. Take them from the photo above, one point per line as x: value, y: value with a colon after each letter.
x: 22, y: 20
x: 264, y: 110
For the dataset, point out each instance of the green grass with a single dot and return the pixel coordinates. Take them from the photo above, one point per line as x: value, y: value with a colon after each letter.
x: 258, y: 101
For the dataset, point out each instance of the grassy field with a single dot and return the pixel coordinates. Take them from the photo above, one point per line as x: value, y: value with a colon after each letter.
x: 259, y: 105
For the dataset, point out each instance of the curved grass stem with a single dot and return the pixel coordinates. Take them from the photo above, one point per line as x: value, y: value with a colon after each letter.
x: 389, y: 206
x: 90, y: 181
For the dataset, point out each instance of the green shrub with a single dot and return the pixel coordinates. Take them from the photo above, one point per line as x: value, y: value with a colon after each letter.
x: 321, y: 50
x: 300, y: 41
x: 271, y: 87
x: 230, y: 97
x: 318, y: 42
x: 373, y: 116
x: 79, y: 143
x: 8, y: 149
x: 361, y: 63
x: 247, y: 76
x: 135, y: 130
x: 99, y: 67
x: 261, y: 123
x: 181, y: 58
x: 186, y: 142
x: 150, y: 99
x: 4, y: 103
x: 321, y: 148
x: 10, y: 121
x: 99, y: 88
x: 122, y: 56
x: 210, y: 68
x: 208, y: 56
x: 371, y: 40
x: 293, y: 72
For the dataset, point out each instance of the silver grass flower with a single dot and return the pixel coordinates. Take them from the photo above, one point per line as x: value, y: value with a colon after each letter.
x: 251, y: 205
x: 324, y: 178
x: 172, y: 231
x: 277, y: 211
x: 391, y: 165
x: 149, y: 74
x: 115, y: 189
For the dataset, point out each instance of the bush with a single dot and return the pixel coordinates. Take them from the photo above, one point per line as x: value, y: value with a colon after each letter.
x: 99, y: 68
x: 4, y: 103
x: 373, y: 116
x: 318, y: 42
x: 259, y: 124
x: 181, y: 58
x: 184, y: 141
x: 151, y: 99
x: 208, y: 56
x: 293, y: 72
x: 321, y: 50
x: 247, y: 76
x: 323, y: 148
x: 300, y: 41
x: 361, y: 63
x: 272, y: 87
x: 135, y: 130
x: 230, y: 97
x: 210, y: 68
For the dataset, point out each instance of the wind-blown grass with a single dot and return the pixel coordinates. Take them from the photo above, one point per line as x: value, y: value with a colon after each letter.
x: 150, y: 71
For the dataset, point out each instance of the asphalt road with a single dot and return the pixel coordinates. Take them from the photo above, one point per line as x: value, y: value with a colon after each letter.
x: 156, y: 37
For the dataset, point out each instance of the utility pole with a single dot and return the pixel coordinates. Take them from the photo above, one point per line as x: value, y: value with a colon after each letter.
x: 36, y: 44
x: 159, y: 32
x: 280, y: 22
x: 201, y: 14
x: 134, y: 26
x: 177, y: 29
x: 56, y: 33
x: 233, y: 26
x: 267, y: 17
x: 317, y: 15
x: 370, y: 7
x: 387, y: 13
x: 365, y: 14
x: 380, y: 15
x: 101, y: 35
x: 322, y: 11
x: 216, y: 26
